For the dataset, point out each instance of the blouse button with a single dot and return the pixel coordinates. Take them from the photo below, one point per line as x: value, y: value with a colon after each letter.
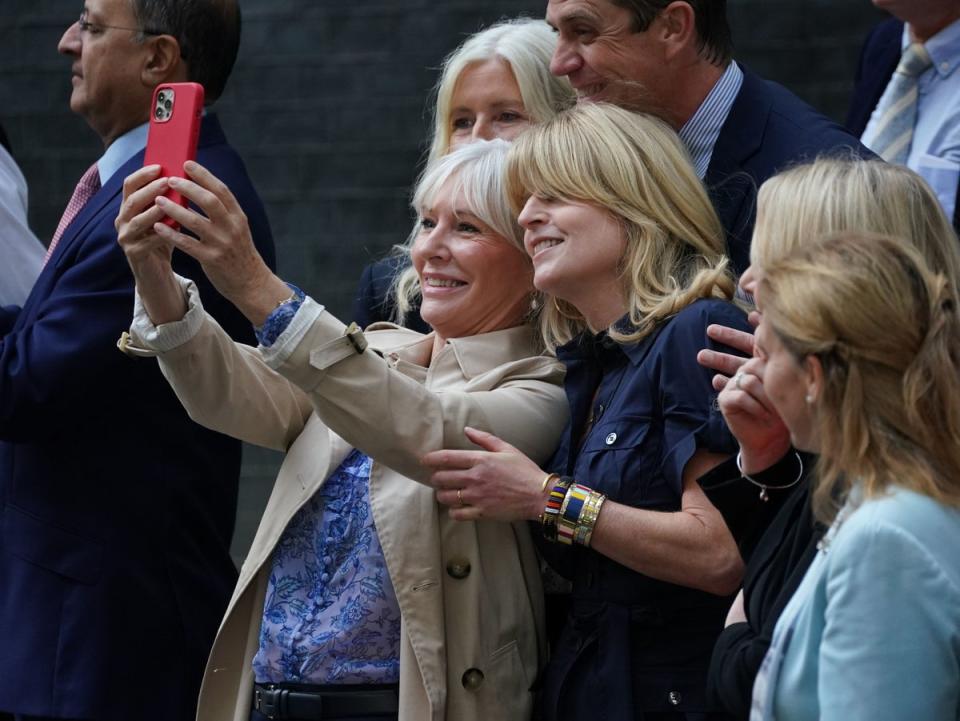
x: 458, y: 568
x: 675, y: 698
x: 472, y: 679
x: 611, y: 439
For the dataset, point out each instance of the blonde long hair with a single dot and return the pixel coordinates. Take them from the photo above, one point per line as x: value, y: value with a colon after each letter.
x: 832, y: 195
x: 634, y: 166
x: 886, y: 332
x: 526, y: 45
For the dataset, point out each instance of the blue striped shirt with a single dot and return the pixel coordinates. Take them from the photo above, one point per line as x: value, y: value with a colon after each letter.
x: 701, y: 131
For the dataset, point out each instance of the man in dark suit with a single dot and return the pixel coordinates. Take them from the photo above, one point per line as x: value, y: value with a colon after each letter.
x: 673, y: 58
x: 116, y: 510
x: 936, y: 24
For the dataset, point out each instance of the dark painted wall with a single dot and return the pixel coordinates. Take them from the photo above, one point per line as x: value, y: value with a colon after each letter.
x: 329, y: 105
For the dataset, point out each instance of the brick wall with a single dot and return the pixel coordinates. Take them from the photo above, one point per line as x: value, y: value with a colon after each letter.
x: 328, y: 104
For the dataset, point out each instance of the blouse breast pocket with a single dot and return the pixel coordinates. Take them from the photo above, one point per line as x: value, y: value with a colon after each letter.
x: 619, y: 457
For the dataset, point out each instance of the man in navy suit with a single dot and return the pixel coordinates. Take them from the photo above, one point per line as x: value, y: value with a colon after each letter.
x: 116, y: 510
x: 673, y: 58
x: 936, y: 24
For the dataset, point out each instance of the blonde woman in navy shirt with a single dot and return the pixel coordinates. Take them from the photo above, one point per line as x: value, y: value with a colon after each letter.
x: 629, y: 253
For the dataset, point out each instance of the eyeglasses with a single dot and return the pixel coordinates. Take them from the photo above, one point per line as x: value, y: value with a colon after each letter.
x: 88, y: 27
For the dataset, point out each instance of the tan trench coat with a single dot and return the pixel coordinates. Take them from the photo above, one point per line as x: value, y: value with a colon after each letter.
x: 469, y: 593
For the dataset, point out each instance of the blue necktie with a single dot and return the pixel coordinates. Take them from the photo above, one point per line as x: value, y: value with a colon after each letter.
x: 891, y: 135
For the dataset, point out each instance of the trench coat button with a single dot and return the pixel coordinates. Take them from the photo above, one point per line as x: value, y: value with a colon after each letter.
x: 458, y: 568
x: 675, y: 698
x: 611, y: 439
x: 472, y: 679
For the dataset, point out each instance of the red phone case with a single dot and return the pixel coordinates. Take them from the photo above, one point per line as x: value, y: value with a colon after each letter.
x: 174, y: 131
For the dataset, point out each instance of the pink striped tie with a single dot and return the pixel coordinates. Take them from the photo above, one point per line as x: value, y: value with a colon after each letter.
x: 87, y: 187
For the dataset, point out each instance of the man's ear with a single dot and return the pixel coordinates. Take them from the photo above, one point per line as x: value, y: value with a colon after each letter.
x: 678, y: 27
x: 163, y: 63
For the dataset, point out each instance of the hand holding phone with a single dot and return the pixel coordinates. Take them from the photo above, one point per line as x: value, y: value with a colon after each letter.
x: 175, y: 115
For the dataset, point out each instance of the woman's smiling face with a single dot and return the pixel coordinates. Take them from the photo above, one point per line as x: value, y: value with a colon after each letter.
x: 472, y: 280
x: 577, y: 250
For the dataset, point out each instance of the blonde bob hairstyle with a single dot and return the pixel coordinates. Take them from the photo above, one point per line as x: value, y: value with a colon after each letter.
x: 885, y: 330
x: 526, y: 46
x: 832, y: 195
x: 473, y: 174
x: 633, y: 166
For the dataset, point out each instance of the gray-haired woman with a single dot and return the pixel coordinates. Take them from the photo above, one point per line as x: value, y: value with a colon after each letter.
x: 356, y: 582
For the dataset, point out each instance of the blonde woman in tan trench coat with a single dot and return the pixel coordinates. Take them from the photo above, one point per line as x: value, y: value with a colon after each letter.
x: 469, y: 595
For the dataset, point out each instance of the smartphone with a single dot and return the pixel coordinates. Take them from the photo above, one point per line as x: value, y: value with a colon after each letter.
x: 175, y: 115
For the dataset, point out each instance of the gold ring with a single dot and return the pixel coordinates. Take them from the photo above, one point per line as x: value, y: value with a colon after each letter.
x: 460, y: 497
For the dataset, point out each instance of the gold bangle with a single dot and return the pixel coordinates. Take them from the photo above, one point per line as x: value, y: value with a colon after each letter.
x: 588, y: 519
x: 546, y: 481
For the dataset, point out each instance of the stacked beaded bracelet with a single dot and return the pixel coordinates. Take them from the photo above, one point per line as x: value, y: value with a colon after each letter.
x: 577, y: 516
x: 551, y: 513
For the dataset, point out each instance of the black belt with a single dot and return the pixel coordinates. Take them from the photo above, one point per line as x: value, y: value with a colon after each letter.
x: 280, y: 702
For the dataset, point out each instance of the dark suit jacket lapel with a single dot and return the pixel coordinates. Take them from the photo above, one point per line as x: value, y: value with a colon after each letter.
x: 881, y: 53
x: 210, y: 134
x: 92, y: 209
x: 728, y: 180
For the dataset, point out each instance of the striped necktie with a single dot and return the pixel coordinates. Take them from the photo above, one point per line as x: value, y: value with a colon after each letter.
x: 87, y: 187
x: 891, y: 135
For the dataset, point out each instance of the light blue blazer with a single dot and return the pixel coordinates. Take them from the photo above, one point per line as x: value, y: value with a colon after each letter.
x: 878, y: 636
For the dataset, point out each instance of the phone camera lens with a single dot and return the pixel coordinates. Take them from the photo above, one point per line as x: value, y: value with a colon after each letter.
x: 167, y: 103
x: 159, y: 113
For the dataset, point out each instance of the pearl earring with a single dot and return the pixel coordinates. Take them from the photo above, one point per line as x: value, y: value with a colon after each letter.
x: 808, y: 398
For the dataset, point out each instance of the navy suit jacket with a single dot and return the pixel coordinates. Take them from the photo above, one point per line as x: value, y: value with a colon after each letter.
x: 878, y: 59
x: 116, y: 510
x: 768, y: 130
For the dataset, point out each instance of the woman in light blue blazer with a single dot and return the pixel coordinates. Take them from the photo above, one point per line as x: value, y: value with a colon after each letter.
x: 860, y: 344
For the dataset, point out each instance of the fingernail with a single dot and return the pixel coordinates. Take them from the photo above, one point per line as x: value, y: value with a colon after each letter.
x: 173, y: 182
x: 161, y: 201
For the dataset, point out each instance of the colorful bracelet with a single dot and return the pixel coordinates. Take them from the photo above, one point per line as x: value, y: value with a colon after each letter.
x: 588, y: 519
x: 551, y: 513
x: 578, y: 515
x: 570, y: 513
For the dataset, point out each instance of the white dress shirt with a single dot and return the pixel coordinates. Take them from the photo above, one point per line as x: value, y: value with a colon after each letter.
x: 21, y: 254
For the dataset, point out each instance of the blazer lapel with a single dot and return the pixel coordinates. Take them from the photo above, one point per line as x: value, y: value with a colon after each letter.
x: 729, y: 182
x: 93, y: 209
x: 210, y: 134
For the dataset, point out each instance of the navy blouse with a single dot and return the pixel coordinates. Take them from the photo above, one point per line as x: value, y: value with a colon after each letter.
x: 633, y: 645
